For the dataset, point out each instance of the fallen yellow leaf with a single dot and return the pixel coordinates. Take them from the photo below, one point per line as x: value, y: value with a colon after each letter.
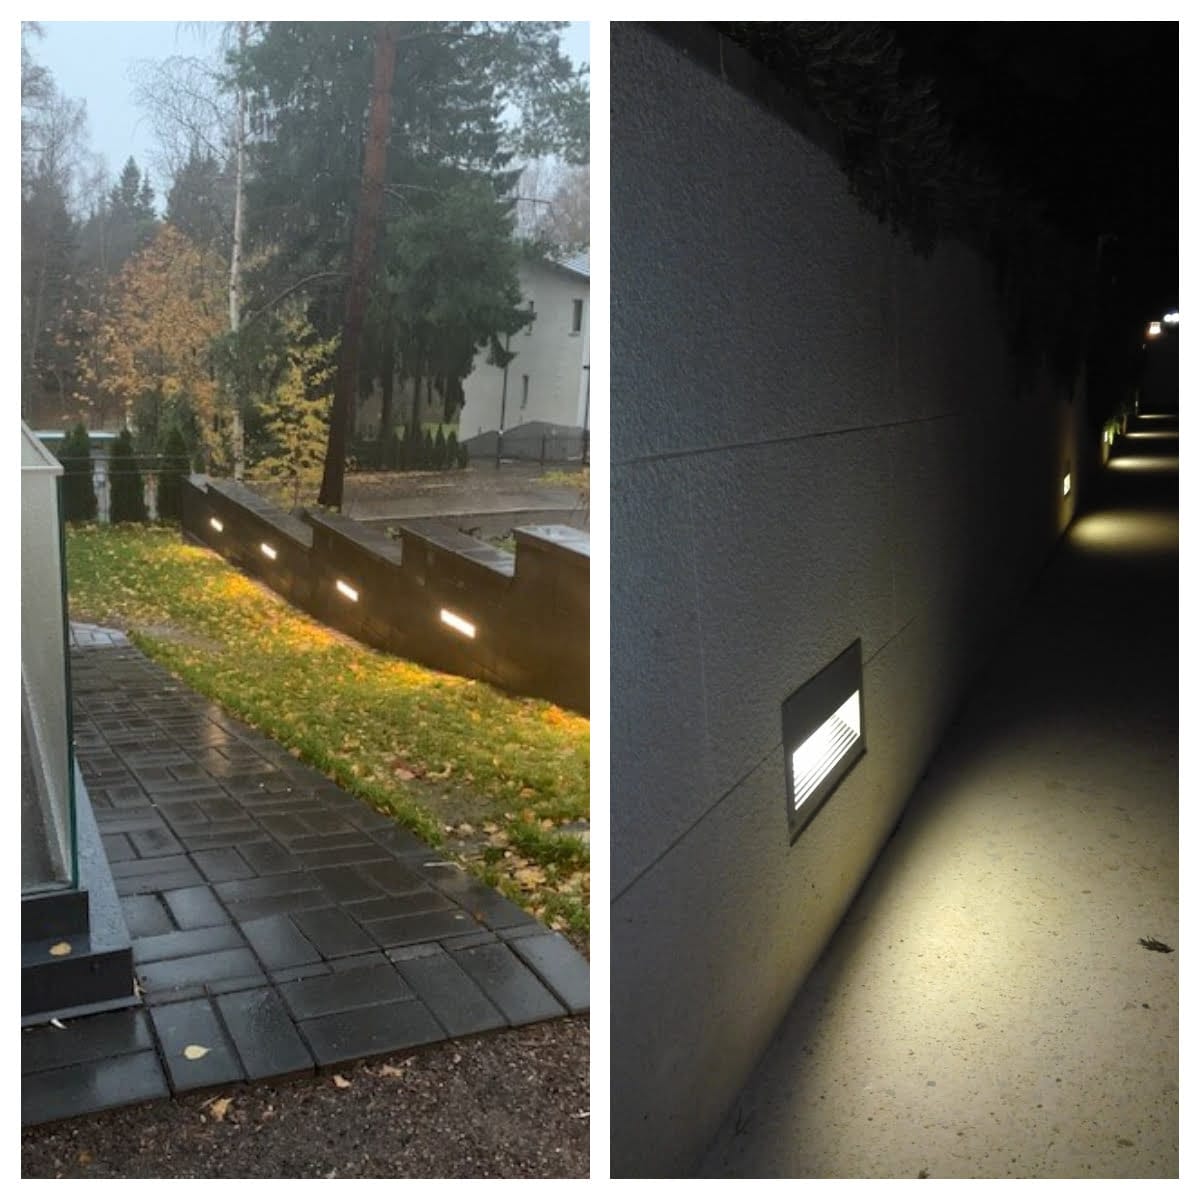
x: 388, y: 1069
x: 220, y: 1107
x: 60, y: 948
x: 340, y: 1081
x: 193, y: 1052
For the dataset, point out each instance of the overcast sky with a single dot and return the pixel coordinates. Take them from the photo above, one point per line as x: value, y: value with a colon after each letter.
x: 90, y: 61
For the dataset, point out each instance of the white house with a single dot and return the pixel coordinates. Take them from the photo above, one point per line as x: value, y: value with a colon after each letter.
x: 548, y: 378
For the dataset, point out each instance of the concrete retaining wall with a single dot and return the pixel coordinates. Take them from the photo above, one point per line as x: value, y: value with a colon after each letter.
x: 817, y: 436
x: 529, y: 612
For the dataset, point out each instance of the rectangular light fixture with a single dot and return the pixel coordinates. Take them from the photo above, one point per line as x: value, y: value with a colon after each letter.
x: 216, y: 524
x: 269, y: 551
x: 823, y: 735
x: 1067, y: 484
x: 346, y: 590
x: 1154, y: 330
x: 456, y: 622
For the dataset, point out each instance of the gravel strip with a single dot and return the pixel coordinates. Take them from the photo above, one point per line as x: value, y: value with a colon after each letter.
x: 510, y: 1104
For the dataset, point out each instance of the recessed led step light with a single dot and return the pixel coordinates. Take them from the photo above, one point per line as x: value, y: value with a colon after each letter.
x: 822, y: 735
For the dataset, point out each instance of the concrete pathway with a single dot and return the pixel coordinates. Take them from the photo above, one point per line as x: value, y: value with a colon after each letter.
x: 990, y: 1007
x: 279, y: 924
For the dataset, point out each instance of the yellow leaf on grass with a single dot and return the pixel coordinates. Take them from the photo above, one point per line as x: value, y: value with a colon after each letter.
x: 60, y: 948
x: 194, y: 1052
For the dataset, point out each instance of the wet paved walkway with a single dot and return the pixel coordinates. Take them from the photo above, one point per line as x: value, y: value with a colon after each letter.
x: 988, y: 1007
x: 278, y: 923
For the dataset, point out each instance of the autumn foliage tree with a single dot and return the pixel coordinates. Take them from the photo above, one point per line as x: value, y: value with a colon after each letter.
x: 164, y: 312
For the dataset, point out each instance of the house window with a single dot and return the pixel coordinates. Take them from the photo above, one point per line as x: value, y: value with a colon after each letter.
x: 529, y: 326
x: 576, y: 316
x: 524, y: 391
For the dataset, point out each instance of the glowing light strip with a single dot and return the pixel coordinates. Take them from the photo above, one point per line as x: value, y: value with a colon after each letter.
x: 269, y: 551
x: 457, y: 622
x: 216, y: 524
x: 823, y: 749
x: 346, y: 590
x: 1067, y: 484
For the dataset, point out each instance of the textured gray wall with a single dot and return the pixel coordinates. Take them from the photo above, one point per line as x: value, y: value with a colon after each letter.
x: 816, y: 436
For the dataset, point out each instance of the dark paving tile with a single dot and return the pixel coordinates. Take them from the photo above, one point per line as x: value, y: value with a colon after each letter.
x: 220, y: 866
x: 264, y: 1034
x: 283, y: 825
x: 343, y: 1037
x: 451, y: 995
x: 146, y: 916
x: 218, y: 834
x: 392, y: 877
x: 398, y: 906
x: 307, y: 971
x: 126, y: 821
x: 485, y: 904
x: 368, y: 853
x: 278, y: 943
x: 271, y: 906
x: 117, y: 847
x: 270, y: 885
x: 195, y: 908
x: 333, y: 933
x: 106, y: 1035
x: 198, y: 970
x: 377, y: 958
x: 186, y: 943
x: 332, y: 841
x: 162, y: 881
x: 422, y: 927
x: 135, y: 868
x: 399, y: 841
x: 346, y: 884
x: 182, y: 814
x: 127, y: 795
x: 468, y: 940
x: 323, y: 821
x: 91, y: 1087
x: 559, y: 966
x: 194, y: 1023
x: 509, y: 984
x: 267, y: 857
x: 341, y: 991
x: 150, y: 843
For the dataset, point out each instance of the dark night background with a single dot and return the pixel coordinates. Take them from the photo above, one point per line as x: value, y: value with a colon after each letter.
x: 1087, y: 115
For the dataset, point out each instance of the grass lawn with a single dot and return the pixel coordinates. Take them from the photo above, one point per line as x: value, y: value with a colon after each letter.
x: 490, y: 778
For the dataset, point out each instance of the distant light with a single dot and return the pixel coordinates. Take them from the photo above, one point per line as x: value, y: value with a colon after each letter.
x: 346, y: 590
x: 1155, y: 329
x: 1067, y: 484
x: 269, y: 551
x: 1172, y: 318
x: 216, y: 524
x: 456, y: 622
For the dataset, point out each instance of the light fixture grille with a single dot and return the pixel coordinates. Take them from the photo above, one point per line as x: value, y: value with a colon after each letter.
x: 824, y: 749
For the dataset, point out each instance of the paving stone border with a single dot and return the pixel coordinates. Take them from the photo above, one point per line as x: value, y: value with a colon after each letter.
x: 277, y: 921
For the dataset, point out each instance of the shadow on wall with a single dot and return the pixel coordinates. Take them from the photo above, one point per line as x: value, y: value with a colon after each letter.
x: 436, y: 596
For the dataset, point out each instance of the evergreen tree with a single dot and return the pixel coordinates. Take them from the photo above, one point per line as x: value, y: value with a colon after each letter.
x: 427, y: 450
x: 171, y: 475
x: 452, y: 449
x: 128, y: 493
x: 439, y: 451
x: 78, y: 490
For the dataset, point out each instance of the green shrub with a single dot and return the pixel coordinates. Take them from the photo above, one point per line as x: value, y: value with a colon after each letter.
x: 451, y: 450
x: 427, y: 451
x: 439, y: 451
x: 171, y: 476
x: 78, y: 490
x: 128, y: 493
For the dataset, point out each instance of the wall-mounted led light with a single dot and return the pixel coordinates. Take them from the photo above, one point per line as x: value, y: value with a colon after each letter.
x: 822, y: 735
x: 1154, y: 329
x: 1067, y: 484
x: 1171, y: 318
x: 216, y: 524
x: 269, y: 551
x: 456, y: 622
x: 346, y: 590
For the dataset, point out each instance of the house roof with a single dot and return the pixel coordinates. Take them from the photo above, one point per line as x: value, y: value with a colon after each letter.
x: 577, y: 264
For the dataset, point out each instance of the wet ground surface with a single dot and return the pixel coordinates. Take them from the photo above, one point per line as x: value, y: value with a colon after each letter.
x: 1001, y: 999
x: 280, y: 926
x: 513, y: 1103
